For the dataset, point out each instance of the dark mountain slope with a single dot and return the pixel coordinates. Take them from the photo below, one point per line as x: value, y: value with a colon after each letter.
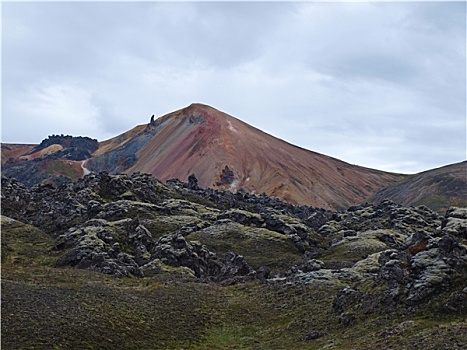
x: 438, y: 188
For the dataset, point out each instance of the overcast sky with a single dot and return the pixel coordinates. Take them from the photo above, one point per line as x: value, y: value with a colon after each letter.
x: 381, y: 85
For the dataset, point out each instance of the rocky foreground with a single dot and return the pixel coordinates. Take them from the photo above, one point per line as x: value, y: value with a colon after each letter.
x: 314, y: 272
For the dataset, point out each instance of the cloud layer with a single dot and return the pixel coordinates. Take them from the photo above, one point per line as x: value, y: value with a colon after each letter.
x: 376, y: 84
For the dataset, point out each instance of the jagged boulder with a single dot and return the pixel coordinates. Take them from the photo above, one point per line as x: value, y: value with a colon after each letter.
x: 235, y: 269
x: 193, y: 182
x: 242, y: 217
x: 456, y: 222
x: 92, y: 248
x: 435, y: 268
x: 175, y: 250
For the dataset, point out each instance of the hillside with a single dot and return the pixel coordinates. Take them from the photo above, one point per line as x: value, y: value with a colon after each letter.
x: 12, y: 152
x: 437, y: 188
x: 57, y: 158
x: 128, y: 262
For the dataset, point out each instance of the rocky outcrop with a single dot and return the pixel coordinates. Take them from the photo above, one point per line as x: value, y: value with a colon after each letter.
x: 74, y: 147
x: 57, y: 208
x: 426, y: 269
x: 455, y: 222
x: 105, y: 247
x: 175, y: 250
x: 226, y: 177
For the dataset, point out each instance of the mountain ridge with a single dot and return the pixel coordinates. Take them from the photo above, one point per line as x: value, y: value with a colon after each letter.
x: 438, y: 188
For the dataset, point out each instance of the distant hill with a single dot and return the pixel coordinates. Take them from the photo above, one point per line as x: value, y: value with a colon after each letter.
x: 438, y: 188
x: 55, y: 159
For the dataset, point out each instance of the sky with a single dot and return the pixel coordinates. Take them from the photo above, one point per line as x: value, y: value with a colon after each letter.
x: 377, y: 84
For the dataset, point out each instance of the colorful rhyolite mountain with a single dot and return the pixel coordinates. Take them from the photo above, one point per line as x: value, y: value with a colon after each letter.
x: 223, y: 153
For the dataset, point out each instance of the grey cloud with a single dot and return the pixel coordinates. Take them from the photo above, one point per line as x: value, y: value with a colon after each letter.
x: 378, y: 66
x: 436, y: 17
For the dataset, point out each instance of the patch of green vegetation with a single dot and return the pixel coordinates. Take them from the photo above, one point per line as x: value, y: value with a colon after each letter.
x: 347, y: 253
x: 437, y: 203
x: 62, y: 168
x: 161, y: 225
x: 229, y: 337
x: 259, y: 246
x: 24, y: 244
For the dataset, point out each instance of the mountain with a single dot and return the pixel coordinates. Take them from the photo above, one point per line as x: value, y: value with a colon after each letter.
x: 226, y: 153
x: 223, y: 153
x: 437, y: 188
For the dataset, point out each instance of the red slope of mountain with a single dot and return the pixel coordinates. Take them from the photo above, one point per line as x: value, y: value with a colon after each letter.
x: 224, y: 152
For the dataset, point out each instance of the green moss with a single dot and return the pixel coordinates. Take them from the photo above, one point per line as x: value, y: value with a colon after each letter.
x: 86, y: 310
x: 24, y: 244
x: 259, y: 246
x: 161, y: 225
x: 229, y: 337
x: 438, y: 203
x: 62, y: 168
x: 352, y: 249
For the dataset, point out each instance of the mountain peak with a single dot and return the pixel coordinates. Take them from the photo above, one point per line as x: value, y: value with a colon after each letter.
x: 194, y: 108
x: 194, y: 113
x: 199, y: 106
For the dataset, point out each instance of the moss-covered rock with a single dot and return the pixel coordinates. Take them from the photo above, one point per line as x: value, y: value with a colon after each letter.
x: 259, y: 246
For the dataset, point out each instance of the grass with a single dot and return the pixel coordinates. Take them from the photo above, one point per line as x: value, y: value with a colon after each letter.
x: 24, y: 244
x: 83, y: 312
